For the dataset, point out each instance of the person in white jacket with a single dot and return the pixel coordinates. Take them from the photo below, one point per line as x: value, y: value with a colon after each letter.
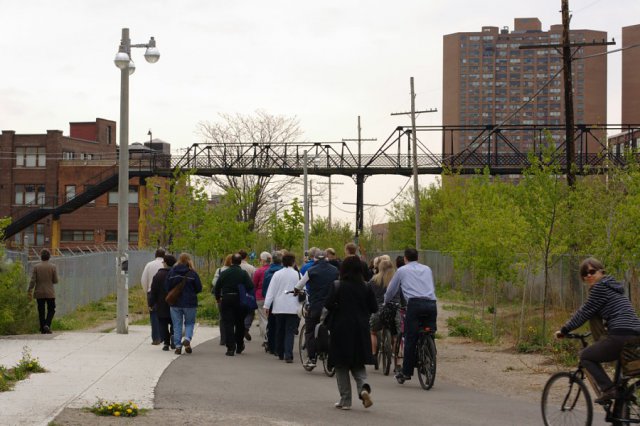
x: 284, y: 307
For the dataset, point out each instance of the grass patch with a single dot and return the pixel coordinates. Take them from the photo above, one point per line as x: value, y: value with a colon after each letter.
x: 471, y: 327
x: 22, y: 370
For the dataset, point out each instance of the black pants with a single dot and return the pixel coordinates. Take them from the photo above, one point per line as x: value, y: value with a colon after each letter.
x: 271, y: 333
x: 166, y: 330
x: 416, y: 308
x: 51, y: 310
x: 606, y: 349
x: 233, y: 315
x: 311, y: 320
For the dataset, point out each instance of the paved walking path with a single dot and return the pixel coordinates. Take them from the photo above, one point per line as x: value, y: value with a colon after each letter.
x: 82, y: 367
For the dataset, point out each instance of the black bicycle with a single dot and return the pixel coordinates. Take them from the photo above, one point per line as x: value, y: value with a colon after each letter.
x: 384, y: 351
x: 425, y: 351
x: 566, y: 399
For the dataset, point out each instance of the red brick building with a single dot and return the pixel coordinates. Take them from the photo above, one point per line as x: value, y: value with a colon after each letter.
x: 47, y: 170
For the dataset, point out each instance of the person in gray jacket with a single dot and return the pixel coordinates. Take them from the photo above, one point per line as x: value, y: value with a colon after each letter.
x: 43, y: 277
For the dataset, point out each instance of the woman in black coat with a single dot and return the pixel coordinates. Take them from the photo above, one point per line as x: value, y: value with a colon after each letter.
x: 351, y: 303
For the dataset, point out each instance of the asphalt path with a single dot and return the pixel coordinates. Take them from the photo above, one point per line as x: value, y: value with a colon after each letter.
x: 256, y: 388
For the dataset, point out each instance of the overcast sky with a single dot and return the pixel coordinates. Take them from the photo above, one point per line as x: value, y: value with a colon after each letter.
x: 323, y: 62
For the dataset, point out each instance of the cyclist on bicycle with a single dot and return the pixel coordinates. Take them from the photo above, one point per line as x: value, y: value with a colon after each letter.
x: 606, y: 300
x: 318, y: 279
x: 416, y: 283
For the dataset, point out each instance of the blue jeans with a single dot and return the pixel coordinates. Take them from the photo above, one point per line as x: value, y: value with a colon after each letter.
x: 286, y: 325
x: 416, y: 308
x: 178, y: 316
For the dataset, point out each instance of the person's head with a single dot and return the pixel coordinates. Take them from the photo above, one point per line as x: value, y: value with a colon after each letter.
x: 236, y: 259
x: 160, y: 253
x: 385, y: 273
x: 320, y: 254
x: 411, y: 254
x: 288, y: 259
x: 45, y: 255
x: 312, y: 253
x: 351, y: 269
x: 276, y: 257
x: 350, y: 249
x: 185, y: 259
x: 591, y: 271
x: 374, y: 262
x: 243, y: 254
x: 399, y: 262
x: 331, y: 253
x: 227, y: 260
x: 169, y: 260
x: 384, y: 257
x: 265, y: 257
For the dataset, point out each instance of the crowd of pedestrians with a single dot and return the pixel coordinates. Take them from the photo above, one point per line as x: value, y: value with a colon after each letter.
x: 344, y: 296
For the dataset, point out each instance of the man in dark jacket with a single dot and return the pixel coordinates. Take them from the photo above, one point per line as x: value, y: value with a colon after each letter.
x: 43, y: 277
x: 232, y: 312
x: 318, y: 280
x: 276, y: 265
x: 159, y: 305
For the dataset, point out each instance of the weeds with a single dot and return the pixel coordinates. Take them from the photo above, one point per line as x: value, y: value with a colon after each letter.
x: 473, y: 328
x: 25, y: 366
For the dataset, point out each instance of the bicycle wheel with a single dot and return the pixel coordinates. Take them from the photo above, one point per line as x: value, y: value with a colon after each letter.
x: 426, y: 361
x: 330, y: 372
x: 626, y: 408
x: 566, y: 401
x: 398, y: 352
x: 302, y: 348
x: 385, y: 348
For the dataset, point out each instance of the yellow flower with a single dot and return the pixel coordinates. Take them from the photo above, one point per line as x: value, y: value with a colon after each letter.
x: 135, y: 406
x: 110, y: 407
x: 117, y: 414
x: 129, y: 411
x: 30, y: 365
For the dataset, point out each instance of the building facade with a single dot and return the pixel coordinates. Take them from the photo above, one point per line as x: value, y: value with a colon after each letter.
x: 47, y: 170
x: 489, y: 81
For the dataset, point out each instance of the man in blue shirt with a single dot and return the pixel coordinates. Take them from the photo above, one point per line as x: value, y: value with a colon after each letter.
x: 416, y: 282
x: 312, y: 259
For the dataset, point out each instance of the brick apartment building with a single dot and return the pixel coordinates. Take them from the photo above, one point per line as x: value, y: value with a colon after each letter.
x: 46, y: 170
x: 487, y: 78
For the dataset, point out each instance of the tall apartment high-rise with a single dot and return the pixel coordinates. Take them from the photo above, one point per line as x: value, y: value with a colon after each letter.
x: 488, y: 80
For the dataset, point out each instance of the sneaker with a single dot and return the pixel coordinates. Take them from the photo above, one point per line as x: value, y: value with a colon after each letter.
x: 187, y: 346
x: 401, y: 378
x: 311, y: 363
x: 46, y: 329
x: 230, y: 353
x: 179, y: 350
x: 366, y: 399
x: 607, y: 395
x: 165, y: 348
x: 247, y: 335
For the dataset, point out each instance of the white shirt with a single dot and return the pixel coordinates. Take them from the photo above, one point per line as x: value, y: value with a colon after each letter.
x: 150, y: 271
x: 248, y: 268
x: 283, y: 280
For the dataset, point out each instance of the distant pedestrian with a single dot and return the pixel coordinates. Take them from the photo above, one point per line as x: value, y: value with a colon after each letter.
x: 159, y: 305
x: 258, y: 280
x: 332, y: 258
x: 43, y: 276
x: 350, y: 305
x: 233, y: 313
x: 184, y: 310
x: 379, y: 284
x: 149, y: 271
x: 224, y: 267
x: 284, y: 306
x: 350, y: 249
x: 276, y: 265
x: 250, y: 270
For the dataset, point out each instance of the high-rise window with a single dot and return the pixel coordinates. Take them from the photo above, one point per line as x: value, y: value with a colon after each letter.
x: 31, y: 156
x: 30, y: 194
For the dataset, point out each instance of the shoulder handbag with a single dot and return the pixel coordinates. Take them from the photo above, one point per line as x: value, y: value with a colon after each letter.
x: 246, y: 298
x: 174, y: 294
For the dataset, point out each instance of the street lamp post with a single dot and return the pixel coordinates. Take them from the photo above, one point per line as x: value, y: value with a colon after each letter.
x: 127, y: 67
x: 306, y: 205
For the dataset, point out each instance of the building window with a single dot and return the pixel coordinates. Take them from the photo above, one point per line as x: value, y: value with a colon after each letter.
x: 110, y: 236
x: 31, y: 156
x: 31, y: 236
x: 88, y: 188
x: 72, y: 235
x: 69, y: 192
x: 133, y: 196
x: 68, y: 155
x: 133, y: 237
x: 33, y: 194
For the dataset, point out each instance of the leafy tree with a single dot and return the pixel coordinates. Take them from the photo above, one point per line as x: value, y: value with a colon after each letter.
x: 288, y: 232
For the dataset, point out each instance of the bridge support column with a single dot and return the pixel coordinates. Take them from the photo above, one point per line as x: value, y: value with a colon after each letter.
x: 55, y: 233
x: 359, y: 206
x: 142, y: 218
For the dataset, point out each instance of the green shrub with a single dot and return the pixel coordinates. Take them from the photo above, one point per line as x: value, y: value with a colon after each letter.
x: 17, y: 313
x: 473, y: 328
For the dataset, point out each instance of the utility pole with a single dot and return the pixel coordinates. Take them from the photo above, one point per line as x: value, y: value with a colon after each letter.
x: 330, y: 183
x: 565, y: 49
x: 414, y: 138
x: 311, y: 202
x: 360, y: 177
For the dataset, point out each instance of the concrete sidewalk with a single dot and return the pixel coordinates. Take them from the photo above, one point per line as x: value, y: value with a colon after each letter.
x: 82, y: 367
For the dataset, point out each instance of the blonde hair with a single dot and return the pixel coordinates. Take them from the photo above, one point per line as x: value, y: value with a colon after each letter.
x: 227, y: 260
x: 385, y: 273
x: 185, y: 259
